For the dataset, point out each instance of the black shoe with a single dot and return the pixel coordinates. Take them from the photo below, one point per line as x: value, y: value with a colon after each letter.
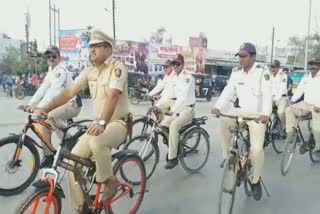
x: 46, y: 161
x: 171, y: 164
x: 257, y: 191
x: 222, y: 163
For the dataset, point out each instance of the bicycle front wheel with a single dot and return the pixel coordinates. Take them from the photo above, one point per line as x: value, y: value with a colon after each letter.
x: 38, y: 202
x: 289, y: 149
x: 228, y: 185
x: 141, y: 126
x: 18, y: 173
x: 194, y: 150
x: 276, y: 134
x: 130, y: 171
x: 148, y: 151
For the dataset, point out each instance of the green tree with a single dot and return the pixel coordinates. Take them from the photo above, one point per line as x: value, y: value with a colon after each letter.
x: 14, y: 60
x: 158, y: 36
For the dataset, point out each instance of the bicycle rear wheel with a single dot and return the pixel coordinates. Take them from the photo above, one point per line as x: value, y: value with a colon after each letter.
x: 129, y: 170
x: 276, y: 136
x: 37, y: 202
x: 194, y: 150
x: 17, y: 175
x: 290, y: 147
x: 313, y: 154
x: 141, y: 126
x: 247, y: 183
x: 148, y: 151
x: 228, y: 185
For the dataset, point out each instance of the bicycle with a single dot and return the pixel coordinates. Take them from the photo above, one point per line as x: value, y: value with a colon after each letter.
x: 147, y: 145
x: 237, y: 166
x: 274, y: 131
x: 49, y: 191
x: 143, y: 124
x: 295, y: 137
x: 25, y: 157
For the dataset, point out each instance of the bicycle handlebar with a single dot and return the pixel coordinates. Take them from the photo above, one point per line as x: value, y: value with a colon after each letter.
x: 237, y: 117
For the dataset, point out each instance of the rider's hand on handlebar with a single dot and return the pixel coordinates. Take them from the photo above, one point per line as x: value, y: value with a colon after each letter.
x: 28, y: 108
x: 157, y: 97
x: 215, y: 112
x: 264, y: 119
x: 95, y: 129
x: 39, y: 111
x: 316, y: 109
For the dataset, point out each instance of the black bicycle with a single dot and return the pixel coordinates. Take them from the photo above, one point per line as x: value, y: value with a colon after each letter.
x: 274, y: 132
x: 295, y: 138
x: 20, y: 160
x: 48, y: 194
x: 193, y: 149
x: 237, y: 166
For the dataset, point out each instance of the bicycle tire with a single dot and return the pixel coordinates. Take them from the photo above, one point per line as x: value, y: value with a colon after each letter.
x: 154, y: 151
x: 19, y: 93
x: 231, y: 164
x: 33, y: 150
x: 314, y: 155
x: 184, y: 153
x: 37, y: 193
x: 290, y: 147
x: 118, y: 167
x: 247, y: 183
x: 275, y: 145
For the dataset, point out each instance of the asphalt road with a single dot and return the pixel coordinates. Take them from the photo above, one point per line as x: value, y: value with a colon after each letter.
x: 176, y: 191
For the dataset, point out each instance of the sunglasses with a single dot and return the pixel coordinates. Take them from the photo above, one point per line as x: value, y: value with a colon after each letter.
x: 166, y: 66
x: 274, y: 66
x: 314, y: 68
x: 176, y: 64
x: 51, y: 56
x: 243, y: 55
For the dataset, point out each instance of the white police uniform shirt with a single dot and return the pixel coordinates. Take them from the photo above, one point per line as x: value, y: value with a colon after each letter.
x: 253, y: 90
x: 166, y: 86
x: 279, y: 85
x: 310, y: 87
x: 184, y: 91
x: 55, y: 81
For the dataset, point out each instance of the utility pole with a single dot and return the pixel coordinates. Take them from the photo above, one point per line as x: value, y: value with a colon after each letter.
x: 54, y: 26
x: 114, y: 18
x: 307, y: 39
x: 50, y: 41
x: 272, y: 44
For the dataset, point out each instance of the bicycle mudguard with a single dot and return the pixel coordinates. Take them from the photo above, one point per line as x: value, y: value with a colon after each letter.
x: 42, y: 184
x: 123, y: 153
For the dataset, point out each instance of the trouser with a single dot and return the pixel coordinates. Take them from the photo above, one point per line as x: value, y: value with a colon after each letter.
x: 100, y: 148
x: 303, y: 109
x: 282, y: 105
x: 256, y: 132
x: 60, y: 116
x: 175, y: 123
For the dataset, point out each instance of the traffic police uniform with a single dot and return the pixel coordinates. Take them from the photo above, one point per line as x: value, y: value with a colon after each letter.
x: 110, y: 75
x: 309, y: 87
x: 167, y: 96
x: 56, y: 80
x: 279, y: 93
x: 255, y: 99
x: 182, y: 109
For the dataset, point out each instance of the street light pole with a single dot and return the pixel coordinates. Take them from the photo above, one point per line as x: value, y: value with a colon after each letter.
x: 307, y: 39
x: 114, y: 19
x: 54, y: 25
x: 50, y: 41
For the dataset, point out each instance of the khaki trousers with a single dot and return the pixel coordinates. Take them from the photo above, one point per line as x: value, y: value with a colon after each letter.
x: 256, y: 132
x: 100, y: 148
x: 175, y: 123
x: 60, y: 116
x: 303, y: 109
x: 282, y: 105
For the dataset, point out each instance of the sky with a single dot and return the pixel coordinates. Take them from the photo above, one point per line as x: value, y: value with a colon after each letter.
x: 227, y: 23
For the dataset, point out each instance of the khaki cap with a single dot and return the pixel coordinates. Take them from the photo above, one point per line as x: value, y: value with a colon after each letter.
x: 98, y: 36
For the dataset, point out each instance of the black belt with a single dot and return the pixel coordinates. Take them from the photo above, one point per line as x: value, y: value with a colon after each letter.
x: 192, y: 105
x: 173, y: 98
x: 284, y: 95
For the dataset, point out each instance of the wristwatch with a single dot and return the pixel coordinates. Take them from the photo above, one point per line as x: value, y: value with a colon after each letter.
x: 102, y: 123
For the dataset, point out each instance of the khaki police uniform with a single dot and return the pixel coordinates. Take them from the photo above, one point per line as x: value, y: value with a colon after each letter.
x: 56, y: 80
x: 167, y: 97
x: 182, y: 109
x: 279, y: 93
x: 110, y: 75
x: 255, y: 99
x: 309, y: 87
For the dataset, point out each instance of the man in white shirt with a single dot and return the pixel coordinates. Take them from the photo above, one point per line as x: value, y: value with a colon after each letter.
x: 182, y: 110
x: 279, y: 91
x: 252, y: 86
x: 310, y: 88
x: 56, y: 80
x: 164, y: 88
